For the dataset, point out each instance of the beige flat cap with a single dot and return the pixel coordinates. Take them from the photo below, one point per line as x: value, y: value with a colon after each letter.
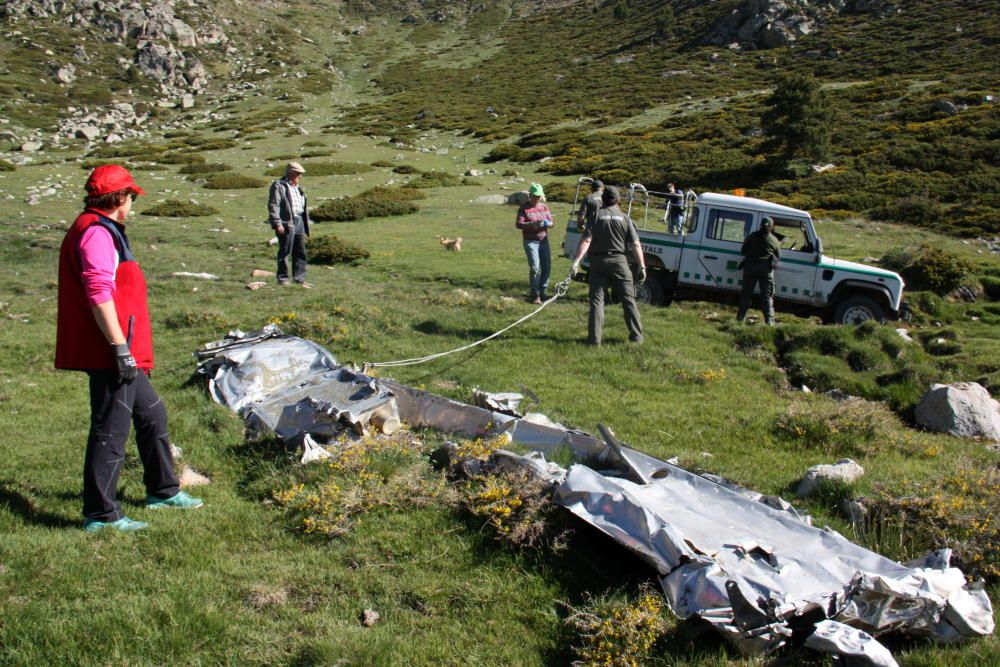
x: 294, y: 166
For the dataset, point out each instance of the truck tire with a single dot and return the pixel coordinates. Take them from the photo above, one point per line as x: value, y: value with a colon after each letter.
x: 651, y: 291
x: 857, y: 309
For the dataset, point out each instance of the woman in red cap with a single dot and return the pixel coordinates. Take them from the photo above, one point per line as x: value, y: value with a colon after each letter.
x: 103, y: 329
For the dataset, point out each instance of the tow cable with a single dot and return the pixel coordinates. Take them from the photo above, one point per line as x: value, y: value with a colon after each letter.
x: 561, y: 288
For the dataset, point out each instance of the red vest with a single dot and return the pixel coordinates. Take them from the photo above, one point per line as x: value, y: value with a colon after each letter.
x: 80, y: 345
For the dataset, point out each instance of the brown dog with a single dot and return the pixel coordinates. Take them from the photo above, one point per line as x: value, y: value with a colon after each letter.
x: 455, y: 244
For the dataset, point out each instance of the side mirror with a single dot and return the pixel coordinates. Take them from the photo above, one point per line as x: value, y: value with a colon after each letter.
x: 819, y: 250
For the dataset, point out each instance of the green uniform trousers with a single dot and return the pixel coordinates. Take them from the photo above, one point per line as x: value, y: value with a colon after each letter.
x: 611, y: 271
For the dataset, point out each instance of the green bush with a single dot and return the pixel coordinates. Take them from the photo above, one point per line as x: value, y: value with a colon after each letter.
x: 435, y: 179
x: 333, y: 250
x: 325, y: 169
x: 853, y: 427
x: 406, y: 169
x: 378, y: 202
x: 204, y: 168
x: 382, y: 163
x: 182, y: 158
x: 910, y: 211
x: 173, y: 208
x: 991, y: 287
x: 562, y: 192
x: 928, y: 268
x: 7, y: 166
x: 233, y: 182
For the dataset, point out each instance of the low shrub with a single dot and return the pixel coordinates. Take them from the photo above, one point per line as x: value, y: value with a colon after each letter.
x: 612, y: 632
x: 333, y: 250
x: 233, y: 182
x: 325, y: 169
x: 928, y: 268
x: 910, y: 211
x: 182, y: 158
x: 204, y: 168
x: 7, y: 166
x: 991, y: 287
x: 382, y: 163
x: 173, y: 208
x: 435, y: 179
x: 557, y: 191
x: 349, y: 209
x: 960, y: 511
x: 853, y: 427
x: 196, y: 318
x: 406, y: 169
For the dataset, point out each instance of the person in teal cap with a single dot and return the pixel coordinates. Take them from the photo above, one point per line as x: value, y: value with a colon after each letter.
x: 534, y: 220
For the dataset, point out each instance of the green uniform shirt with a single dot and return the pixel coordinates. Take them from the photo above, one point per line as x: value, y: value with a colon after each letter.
x: 611, y: 233
x: 761, y: 247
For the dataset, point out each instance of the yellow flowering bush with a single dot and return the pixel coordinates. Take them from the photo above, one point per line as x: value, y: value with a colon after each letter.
x: 852, y: 427
x: 375, y: 471
x: 960, y: 511
x: 618, y: 634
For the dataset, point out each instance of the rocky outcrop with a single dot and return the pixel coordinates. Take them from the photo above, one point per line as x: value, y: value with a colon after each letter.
x: 964, y: 409
x: 843, y: 471
x: 768, y: 24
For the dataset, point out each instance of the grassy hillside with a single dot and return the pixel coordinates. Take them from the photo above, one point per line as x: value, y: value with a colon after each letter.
x: 384, y: 104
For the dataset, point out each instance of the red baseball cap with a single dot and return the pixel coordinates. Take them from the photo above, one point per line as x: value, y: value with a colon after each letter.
x: 111, y: 178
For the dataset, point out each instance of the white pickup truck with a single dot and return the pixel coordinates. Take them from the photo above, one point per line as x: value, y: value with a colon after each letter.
x: 700, y: 259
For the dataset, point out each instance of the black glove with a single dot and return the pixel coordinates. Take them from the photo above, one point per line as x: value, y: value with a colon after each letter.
x: 642, y: 275
x: 126, y: 363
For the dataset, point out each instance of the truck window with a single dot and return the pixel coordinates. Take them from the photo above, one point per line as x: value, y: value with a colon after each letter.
x: 792, y: 234
x: 691, y: 220
x: 728, y: 225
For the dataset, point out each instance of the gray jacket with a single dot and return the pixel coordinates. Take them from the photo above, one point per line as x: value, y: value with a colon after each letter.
x: 279, y: 205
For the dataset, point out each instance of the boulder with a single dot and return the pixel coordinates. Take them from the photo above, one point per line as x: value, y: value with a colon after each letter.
x: 518, y: 198
x: 31, y: 146
x: 88, y: 132
x: 964, y: 409
x: 946, y: 106
x: 844, y: 470
x: 187, y: 101
x: 66, y: 74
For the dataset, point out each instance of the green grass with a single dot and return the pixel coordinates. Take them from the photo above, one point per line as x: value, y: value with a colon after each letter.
x: 191, y: 589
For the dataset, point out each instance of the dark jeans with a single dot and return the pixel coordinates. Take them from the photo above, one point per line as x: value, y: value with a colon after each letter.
x: 611, y: 271
x: 293, y: 242
x: 758, y: 273
x: 114, y: 407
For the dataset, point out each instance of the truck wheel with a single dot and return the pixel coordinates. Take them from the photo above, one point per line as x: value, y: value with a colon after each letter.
x: 857, y: 309
x: 651, y: 291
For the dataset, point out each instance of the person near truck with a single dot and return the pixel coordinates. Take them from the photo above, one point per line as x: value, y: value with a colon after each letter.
x: 761, y: 253
x: 590, y: 206
x: 606, y: 243
x: 534, y: 220
x: 675, y: 209
x: 288, y: 214
x: 103, y: 328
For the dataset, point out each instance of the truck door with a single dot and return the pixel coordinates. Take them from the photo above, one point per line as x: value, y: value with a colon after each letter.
x: 796, y: 276
x: 714, y: 263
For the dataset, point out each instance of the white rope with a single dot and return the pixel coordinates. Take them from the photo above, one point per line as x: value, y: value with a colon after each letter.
x: 561, y: 289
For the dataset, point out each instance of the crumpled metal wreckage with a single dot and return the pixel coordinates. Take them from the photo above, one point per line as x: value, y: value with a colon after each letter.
x: 748, y: 564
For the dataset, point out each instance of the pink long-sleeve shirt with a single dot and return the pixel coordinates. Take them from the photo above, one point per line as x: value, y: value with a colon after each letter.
x: 99, y: 262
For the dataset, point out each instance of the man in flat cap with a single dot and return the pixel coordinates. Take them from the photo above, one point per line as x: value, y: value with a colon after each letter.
x: 289, y: 217
x: 609, y: 239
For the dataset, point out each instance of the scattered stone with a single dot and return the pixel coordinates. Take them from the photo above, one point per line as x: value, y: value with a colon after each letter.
x: 187, y: 101
x: 491, y: 199
x: 474, y: 173
x: 272, y: 241
x: 369, y: 617
x: 854, y: 511
x: 66, y: 73
x: 88, y: 132
x: 200, y: 276
x: 964, y: 409
x: 256, y: 285
x: 820, y: 168
x: 31, y: 146
x: 261, y: 273
x: 191, y: 477
x: 113, y: 138
x: 844, y: 471
x: 518, y: 198
x: 946, y: 106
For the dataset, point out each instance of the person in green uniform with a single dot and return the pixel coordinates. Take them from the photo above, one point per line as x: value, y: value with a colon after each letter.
x: 608, y: 239
x: 761, y: 252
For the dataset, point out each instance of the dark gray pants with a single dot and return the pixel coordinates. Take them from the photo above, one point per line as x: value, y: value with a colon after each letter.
x: 611, y: 271
x: 114, y: 408
x: 758, y: 273
x: 292, y: 242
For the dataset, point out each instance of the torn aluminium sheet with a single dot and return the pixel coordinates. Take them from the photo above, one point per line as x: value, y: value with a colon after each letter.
x: 292, y: 387
x: 748, y: 564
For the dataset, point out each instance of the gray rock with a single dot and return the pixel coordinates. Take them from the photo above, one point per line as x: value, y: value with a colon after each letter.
x: 964, y: 409
x: 187, y: 101
x: 844, y: 470
x: 946, y: 106
x: 88, y: 132
x: 66, y: 73
x: 474, y: 173
x: 491, y: 199
x: 854, y: 511
x: 518, y: 198
x: 31, y: 146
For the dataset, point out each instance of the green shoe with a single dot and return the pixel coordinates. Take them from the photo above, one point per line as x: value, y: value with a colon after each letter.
x: 181, y: 501
x: 124, y: 524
